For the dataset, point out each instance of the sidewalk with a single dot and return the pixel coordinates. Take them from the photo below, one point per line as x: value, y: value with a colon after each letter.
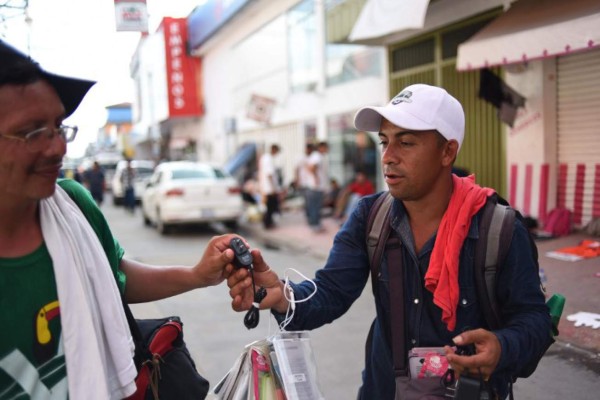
x: 292, y: 232
x: 578, y: 281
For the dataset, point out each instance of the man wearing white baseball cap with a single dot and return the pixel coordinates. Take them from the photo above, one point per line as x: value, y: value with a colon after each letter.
x: 436, y: 214
x: 425, y: 292
x: 420, y: 108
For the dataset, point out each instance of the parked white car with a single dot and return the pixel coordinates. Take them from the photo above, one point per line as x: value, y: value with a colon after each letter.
x: 184, y: 192
x: 143, y: 169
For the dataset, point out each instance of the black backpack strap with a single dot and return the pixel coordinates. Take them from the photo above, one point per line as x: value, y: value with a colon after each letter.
x: 495, y: 234
x: 378, y: 231
x: 397, y: 315
x: 378, y: 242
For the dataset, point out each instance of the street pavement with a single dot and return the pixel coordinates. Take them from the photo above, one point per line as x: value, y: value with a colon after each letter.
x: 578, y: 281
x: 215, y: 335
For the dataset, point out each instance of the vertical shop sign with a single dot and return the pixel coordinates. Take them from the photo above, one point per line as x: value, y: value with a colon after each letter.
x: 181, y: 71
x: 131, y: 15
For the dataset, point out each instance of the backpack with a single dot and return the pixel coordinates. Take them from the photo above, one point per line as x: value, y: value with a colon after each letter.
x: 166, y: 369
x: 495, y: 235
x: 559, y: 222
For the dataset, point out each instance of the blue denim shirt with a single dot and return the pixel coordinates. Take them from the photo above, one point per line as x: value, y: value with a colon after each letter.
x: 527, y: 327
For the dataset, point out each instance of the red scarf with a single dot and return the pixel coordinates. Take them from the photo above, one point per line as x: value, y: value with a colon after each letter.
x: 441, y: 278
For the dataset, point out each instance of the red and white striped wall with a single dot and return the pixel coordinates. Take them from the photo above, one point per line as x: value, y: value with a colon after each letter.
x: 577, y: 188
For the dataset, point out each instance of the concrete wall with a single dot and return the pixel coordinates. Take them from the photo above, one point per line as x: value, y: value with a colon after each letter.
x: 229, y: 82
x: 219, y: 79
x: 152, y: 80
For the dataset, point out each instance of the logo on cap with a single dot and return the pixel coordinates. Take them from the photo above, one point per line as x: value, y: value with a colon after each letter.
x: 401, y: 97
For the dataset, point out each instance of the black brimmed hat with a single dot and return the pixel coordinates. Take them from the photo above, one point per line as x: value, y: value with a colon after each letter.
x: 70, y: 90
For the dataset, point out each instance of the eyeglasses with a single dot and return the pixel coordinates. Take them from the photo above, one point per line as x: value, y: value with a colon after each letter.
x: 39, y: 139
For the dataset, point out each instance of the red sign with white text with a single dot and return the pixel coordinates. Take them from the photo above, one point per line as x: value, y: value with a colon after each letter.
x: 182, y: 71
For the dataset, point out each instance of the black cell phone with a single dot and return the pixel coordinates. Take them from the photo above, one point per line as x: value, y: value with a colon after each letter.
x: 242, y: 257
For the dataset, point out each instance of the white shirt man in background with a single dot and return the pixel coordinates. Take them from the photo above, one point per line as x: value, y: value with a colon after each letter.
x: 268, y: 181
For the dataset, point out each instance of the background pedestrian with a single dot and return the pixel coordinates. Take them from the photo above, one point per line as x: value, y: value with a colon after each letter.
x: 268, y: 180
x: 94, y: 180
x: 128, y: 183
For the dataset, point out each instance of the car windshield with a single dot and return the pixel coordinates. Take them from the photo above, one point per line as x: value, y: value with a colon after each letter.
x: 109, y: 167
x: 196, y: 173
x: 144, y: 172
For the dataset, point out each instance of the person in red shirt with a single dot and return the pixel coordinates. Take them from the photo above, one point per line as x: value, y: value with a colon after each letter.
x: 361, y: 186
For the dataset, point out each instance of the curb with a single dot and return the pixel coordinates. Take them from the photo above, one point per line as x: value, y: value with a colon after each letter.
x: 588, y: 358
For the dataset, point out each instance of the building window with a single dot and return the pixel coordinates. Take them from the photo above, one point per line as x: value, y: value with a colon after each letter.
x: 347, y: 62
x: 413, y: 55
x: 350, y: 151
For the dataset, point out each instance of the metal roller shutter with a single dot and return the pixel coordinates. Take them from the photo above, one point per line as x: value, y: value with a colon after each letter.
x: 578, y: 123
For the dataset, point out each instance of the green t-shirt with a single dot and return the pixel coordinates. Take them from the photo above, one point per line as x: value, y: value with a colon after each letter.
x: 32, y: 361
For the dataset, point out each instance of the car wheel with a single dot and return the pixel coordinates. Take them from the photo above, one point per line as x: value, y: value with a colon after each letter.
x: 147, y: 221
x: 232, y: 224
x: 163, y: 229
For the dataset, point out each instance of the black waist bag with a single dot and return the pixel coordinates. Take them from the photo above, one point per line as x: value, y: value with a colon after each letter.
x: 166, y: 370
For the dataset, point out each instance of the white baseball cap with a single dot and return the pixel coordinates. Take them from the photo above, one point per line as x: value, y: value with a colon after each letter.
x: 418, y: 107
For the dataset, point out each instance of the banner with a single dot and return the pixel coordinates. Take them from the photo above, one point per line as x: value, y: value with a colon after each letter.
x: 182, y: 69
x: 131, y: 15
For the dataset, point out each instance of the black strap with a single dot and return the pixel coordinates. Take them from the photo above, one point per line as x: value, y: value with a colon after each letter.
x: 397, y: 315
x: 378, y: 243
x: 133, y: 327
x: 480, y: 267
x: 495, y: 235
x: 378, y: 231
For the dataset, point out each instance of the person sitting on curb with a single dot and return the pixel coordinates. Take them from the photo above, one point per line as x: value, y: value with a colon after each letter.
x: 360, y: 187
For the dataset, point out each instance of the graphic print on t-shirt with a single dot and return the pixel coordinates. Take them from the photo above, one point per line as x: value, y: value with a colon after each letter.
x: 45, y: 343
x: 48, y: 380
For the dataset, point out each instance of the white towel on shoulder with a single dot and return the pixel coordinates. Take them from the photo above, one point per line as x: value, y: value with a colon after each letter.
x: 97, y: 341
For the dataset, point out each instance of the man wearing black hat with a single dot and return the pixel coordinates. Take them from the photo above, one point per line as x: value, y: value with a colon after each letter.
x: 61, y: 272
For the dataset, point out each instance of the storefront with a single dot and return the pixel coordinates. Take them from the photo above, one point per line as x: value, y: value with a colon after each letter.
x: 272, y: 76
x: 352, y: 151
x: 422, y: 42
x: 578, y: 121
x: 550, y: 54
